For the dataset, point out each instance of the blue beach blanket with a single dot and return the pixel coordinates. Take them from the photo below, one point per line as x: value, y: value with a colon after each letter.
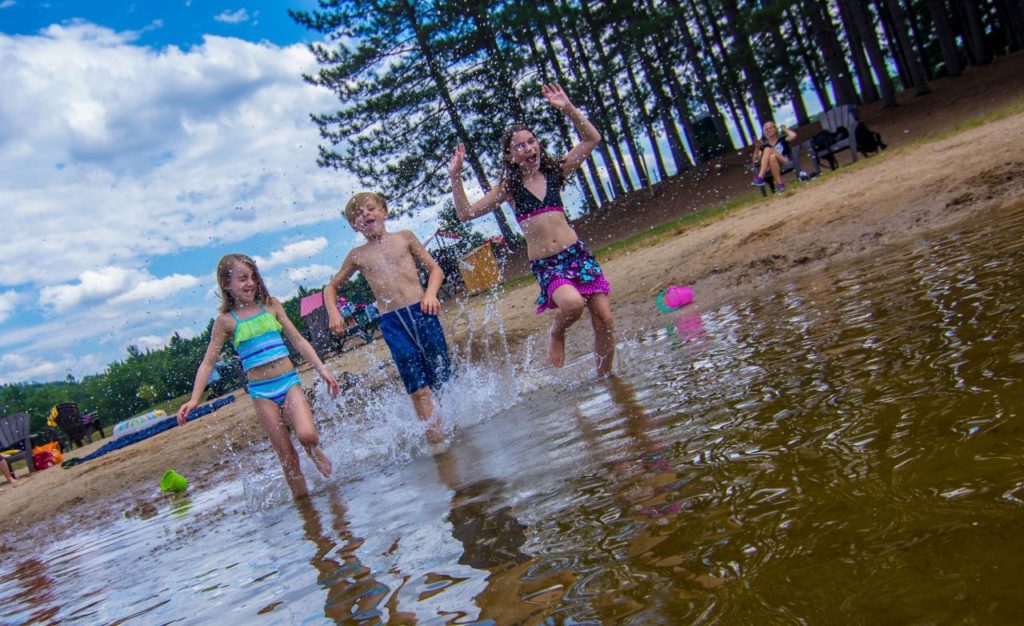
x: 146, y: 433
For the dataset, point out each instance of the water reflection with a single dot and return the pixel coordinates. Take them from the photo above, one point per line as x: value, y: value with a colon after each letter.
x: 846, y: 449
x: 353, y: 593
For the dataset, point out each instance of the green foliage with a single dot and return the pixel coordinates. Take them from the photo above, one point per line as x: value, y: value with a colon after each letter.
x: 125, y: 389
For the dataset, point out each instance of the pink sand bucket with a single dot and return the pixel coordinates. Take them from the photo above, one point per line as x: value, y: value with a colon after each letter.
x: 674, y: 297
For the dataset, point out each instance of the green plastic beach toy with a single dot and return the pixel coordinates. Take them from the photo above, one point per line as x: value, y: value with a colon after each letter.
x: 173, y: 481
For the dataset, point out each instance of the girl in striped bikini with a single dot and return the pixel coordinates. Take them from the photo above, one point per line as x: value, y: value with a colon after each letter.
x: 253, y: 321
x: 569, y: 276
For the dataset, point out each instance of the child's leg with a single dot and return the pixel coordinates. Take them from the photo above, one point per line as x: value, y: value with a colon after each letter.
x: 600, y: 306
x: 277, y: 432
x: 776, y: 163
x: 296, y: 409
x: 570, y: 307
x: 5, y: 467
x: 423, y: 404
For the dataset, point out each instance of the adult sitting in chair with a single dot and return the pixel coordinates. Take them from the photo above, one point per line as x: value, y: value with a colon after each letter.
x: 772, y: 153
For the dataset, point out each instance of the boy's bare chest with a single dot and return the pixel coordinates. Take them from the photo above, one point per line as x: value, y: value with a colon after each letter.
x: 385, y: 257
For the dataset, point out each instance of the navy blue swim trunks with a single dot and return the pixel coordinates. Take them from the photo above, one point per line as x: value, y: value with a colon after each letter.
x: 417, y: 346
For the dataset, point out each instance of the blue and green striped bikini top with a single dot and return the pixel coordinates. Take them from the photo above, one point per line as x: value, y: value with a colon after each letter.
x: 258, y: 339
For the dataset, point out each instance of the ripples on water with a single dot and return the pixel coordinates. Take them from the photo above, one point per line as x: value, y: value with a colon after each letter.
x: 845, y: 450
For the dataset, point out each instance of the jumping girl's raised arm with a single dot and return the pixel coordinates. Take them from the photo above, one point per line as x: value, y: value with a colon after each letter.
x: 589, y: 137
x: 303, y: 346
x: 463, y: 209
x: 218, y: 335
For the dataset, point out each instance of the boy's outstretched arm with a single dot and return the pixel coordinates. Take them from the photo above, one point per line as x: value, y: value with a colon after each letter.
x: 435, y: 275
x: 303, y: 346
x: 218, y: 334
x: 589, y: 136
x: 464, y: 210
x: 334, y: 319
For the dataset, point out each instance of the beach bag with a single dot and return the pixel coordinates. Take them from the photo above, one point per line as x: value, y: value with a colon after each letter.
x: 46, y: 455
x: 868, y: 141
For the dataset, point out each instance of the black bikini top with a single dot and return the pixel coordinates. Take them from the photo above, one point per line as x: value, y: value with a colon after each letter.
x: 528, y: 205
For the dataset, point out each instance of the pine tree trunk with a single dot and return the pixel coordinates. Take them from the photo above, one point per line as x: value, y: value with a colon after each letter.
x: 718, y: 66
x: 896, y: 52
x: 590, y: 190
x: 593, y: 99
x: 914, y: 65
x: 809, y: 58
x: 641, y: 106
x: 448, y: 103
x: 789, y: 75
x: 868, y: 92
x: 754, y: 77
x: 676, y: 91
x: 976, y: 30
x: 918, y: 38
x: 662, y: 104
x: 947, y: 42
x: 1011, y: 20
x: 612, y: 149
x: 732, y: 81
x: 703, y: 86
x: 505, y: 86
x: 620, y: 109
x: 866, y: 28
x: 828, y: 43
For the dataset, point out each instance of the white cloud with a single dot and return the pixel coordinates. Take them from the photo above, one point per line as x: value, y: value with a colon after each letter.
x: 114, y: 287
x: 233, y: 17
x: 6, y: 4
x: 8, y: 300
x: 115, y: 152
x: 19, y: 368
x: 92, y: 287
x: 310, y: 274
x: 291, y: 252
x: 157, y: 289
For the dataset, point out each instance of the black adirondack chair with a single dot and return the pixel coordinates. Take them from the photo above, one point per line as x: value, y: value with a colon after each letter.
x: 69, y: 419
x: 14, y: 435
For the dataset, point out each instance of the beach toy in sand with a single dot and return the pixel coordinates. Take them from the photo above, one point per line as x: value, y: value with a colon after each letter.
x: 674, y: 297
x: 173, y: 482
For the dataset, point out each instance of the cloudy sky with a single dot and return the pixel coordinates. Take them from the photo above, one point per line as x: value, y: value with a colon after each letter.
x: 140, y: 141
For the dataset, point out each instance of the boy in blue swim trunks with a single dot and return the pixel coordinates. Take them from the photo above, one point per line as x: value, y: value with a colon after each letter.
x: 408, y: 311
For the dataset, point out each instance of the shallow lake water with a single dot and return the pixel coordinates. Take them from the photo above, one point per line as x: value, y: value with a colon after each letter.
x: 847, y: 449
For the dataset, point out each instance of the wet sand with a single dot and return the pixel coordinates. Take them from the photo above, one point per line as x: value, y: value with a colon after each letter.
x: 929, y: 180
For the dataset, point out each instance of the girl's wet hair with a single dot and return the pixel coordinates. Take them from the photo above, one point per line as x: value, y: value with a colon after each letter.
x: 225, y: 266
x: 512, y: 175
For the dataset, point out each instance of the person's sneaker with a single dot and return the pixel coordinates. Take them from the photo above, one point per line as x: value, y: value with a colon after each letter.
x: 758, y: 182
x: 781, y: 187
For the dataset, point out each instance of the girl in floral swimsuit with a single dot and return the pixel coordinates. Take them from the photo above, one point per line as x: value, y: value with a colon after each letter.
x: 570, y: 278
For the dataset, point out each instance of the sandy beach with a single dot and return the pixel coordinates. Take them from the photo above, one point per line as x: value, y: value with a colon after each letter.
x: 935, y: 175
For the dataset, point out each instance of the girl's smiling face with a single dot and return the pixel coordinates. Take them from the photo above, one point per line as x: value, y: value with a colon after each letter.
x: 242, y: 284
x: 524, y: 150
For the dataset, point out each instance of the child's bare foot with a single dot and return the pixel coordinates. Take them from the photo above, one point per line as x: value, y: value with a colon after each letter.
x: 435, y: 434
x: 320, y: 460
x: 556, y: 347
x: 439, y: 447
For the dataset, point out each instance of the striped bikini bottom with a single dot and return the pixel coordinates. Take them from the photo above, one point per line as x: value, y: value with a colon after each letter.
x: 275, y: 388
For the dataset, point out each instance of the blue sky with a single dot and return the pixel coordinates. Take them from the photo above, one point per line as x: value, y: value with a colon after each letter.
x: 140, y: 142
